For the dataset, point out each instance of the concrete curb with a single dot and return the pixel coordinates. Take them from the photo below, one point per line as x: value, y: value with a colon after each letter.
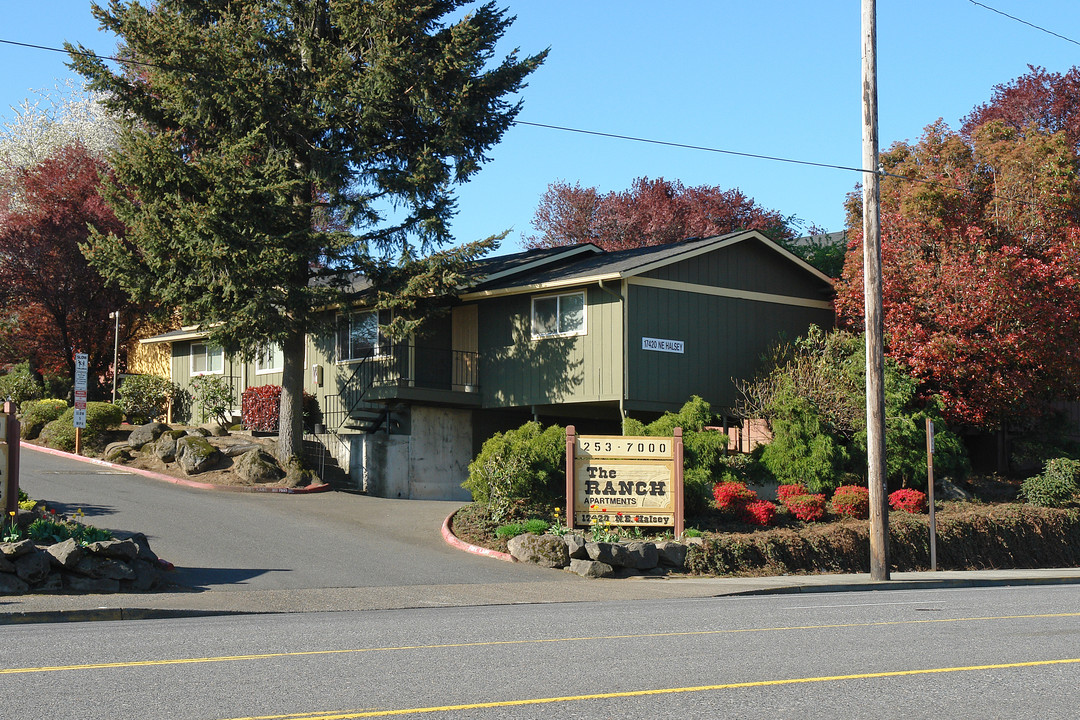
x: 460, y: 544
x: 323, y: 487
x: 110, y: 614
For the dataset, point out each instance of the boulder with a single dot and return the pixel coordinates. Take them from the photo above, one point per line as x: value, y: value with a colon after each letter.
x: 591, y: 568
x: 146, y: 433
x: 214, y: 430
x: 195, y: 454
x: 66, y: 554
x: 17, y: 549
x: 12, y: 585
x: 102, y: 567
x: 147, y: 576
x: 165, y: 447
x: 575, y: 545
x: 83, y: 584
x: 241, y: 448
x: 544, y: 550
x: 613, y: 554
x: 197, y: 432
x: 257, y: 466
x: 119, y: 549
x: 643, y: 554
x: 33, y: 567
x: 672, y: 554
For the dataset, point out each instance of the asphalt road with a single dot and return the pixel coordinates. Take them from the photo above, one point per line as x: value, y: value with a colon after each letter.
x: 248, y: 541
x: 968, y: 653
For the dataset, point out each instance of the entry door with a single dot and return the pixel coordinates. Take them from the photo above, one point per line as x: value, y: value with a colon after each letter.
x: 464, y: 342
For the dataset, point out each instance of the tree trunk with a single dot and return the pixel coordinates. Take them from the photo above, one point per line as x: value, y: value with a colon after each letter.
x: 291, y: 418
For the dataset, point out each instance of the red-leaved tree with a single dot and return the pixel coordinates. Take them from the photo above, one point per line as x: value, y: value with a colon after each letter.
x: 651, y: 212
x: 980, y: 266
x: 59, y: 303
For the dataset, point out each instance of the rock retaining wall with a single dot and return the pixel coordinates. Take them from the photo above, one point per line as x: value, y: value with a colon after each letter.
x: 107, y: 566
x: 599, y: 559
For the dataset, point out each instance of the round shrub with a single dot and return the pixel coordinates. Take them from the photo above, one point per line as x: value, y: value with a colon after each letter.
x: 909, y: 500
x: 528, y: 463
x: 758, y: 512
x: 36, y: 414
x: 806, y: 507
x: 851, y: 501
x: 1055, y: 486
x: 732, y: 496
x: 785, y: 491
x: 144, y: 398
x: 20, y: 385
x: 100, y: 417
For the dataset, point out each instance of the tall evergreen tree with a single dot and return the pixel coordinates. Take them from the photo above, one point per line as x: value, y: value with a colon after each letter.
x: 271, y: 145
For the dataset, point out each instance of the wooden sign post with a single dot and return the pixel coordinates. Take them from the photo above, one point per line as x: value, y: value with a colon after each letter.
x: 624, y: 481
x: 9, y: 460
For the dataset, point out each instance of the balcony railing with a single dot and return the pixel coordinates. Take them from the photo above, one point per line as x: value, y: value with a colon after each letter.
x: 403, y: 366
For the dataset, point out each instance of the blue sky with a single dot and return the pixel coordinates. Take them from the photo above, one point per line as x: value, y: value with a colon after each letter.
x: 771, y: 77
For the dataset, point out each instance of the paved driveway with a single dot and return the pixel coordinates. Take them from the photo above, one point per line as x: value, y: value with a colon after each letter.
x: 223, y: 540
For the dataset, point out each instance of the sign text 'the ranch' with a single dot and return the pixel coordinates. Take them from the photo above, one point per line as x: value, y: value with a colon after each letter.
x: 619, y: 480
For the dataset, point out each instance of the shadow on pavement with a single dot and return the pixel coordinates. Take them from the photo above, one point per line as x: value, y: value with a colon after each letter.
x: 198, y: 579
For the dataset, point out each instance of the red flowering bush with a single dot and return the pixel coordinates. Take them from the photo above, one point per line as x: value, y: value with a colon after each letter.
x: 806, y: 507
x: 758, y: 512
x: 260, y: 406
x: 732, y: 496
x: 785, y: 491
x: 908, y: 500
x: 851, y: 501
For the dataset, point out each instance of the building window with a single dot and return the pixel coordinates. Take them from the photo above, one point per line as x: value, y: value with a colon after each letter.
x: 359, y: 336
x: 207, y: 359
x: 555, y: 315
x: 269, y: 360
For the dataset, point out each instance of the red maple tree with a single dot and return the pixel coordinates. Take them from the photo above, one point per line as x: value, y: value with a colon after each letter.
x: 651, y: 212
x: 980, y: 261
x: 60, y: 304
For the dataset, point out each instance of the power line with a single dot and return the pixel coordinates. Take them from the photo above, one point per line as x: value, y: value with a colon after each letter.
x: 1025, y: 22
x: 614, y: 136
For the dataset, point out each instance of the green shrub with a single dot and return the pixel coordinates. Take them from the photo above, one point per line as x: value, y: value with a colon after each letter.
x: 704, y: 451
x: 100, y: 417
x: 802, y: 451
x: 536, y: 526
x: 1055, y: 486
x: 524, y: 464
x: 510, y: 530
x: 20, y: 385
x: 36, y: 414
x: 145, y: 398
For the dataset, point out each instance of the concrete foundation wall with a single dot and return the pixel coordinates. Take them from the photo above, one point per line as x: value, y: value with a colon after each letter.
x: 428, y: 464
x: 439, y: 454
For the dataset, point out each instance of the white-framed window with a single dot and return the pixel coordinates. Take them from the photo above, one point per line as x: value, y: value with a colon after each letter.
x: 206, y: 359
x: 269, y: 360
x: 359, y: 337
x: 558, y: 315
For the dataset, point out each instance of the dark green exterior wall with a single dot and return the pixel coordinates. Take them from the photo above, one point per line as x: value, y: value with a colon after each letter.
x: 518, y: 371
x: 723, y: 338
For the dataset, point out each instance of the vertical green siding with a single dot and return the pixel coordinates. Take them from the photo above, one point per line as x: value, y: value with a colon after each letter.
x: 518, y: 371
x: 724, y: 339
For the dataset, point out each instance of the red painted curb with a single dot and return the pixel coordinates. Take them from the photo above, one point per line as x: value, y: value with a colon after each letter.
x: 460, y: 544
x: 323, y: 487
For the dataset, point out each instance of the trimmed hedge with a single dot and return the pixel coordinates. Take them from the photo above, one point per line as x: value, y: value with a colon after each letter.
x: 36, y: 414
x: 998, y: 536
x: 100, y: 416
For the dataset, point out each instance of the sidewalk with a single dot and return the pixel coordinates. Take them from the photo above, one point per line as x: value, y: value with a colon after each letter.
x: 76, y: 608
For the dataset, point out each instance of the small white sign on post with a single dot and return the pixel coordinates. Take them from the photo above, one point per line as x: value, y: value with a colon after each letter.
x: 81, y: 366
x: 662, y: 345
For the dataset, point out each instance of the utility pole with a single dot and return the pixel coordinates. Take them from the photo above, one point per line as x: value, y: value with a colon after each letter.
x: 875, y: 364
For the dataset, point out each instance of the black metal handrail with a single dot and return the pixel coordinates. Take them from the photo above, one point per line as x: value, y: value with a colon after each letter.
x: 401, y: 366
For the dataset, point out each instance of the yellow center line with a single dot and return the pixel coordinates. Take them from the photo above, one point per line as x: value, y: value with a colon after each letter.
x: 351, y: 714
x: 495, y: 643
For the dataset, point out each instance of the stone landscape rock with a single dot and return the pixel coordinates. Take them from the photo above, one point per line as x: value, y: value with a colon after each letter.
x: 544, y: 550
x: 214, y: 430
x: 146, y: 433
x: 122, y: 549
x: 195, y: 454
x: 643, y: 554
x: 165, y: 447
x: 33, y: 567
x: 591, y: 568
x: 257, y: 466
x: 18, y: 548
x: 66, y: 554
x: 614, y: 554
x: 575, y: 544
x: 672, y: 554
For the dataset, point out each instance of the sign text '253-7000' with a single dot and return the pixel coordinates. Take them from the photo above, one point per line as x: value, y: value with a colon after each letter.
x: 624, y: 480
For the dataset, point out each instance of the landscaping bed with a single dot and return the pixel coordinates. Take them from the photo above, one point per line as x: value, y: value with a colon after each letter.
x: 971, y: 535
